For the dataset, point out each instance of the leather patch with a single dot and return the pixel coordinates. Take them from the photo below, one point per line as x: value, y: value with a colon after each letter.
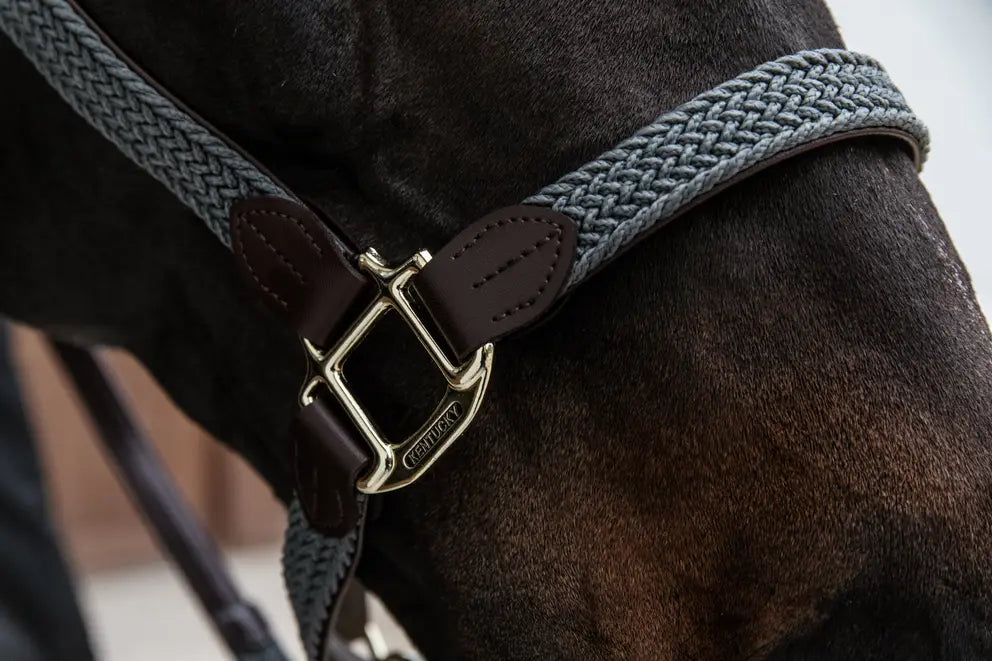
x: 498, y: 275
x: 328, y: 459
x: 288, y: 256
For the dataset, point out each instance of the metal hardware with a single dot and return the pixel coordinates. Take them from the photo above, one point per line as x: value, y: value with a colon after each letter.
x: 399, y: 464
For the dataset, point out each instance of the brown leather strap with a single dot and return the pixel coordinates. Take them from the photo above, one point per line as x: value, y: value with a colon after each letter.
x: 328, y: 458
x: 499, y: 274
x: 298, y: 267
x: 495, y: 277
x: 303, y: 273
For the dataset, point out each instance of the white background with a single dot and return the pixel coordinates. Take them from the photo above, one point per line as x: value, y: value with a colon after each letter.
x: 939, y: 53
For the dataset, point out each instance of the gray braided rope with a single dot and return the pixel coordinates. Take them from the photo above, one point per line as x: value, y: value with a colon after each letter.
x: 313, y: 568
x: 687, y: 152
x: 207, y: 175
x: 197, y: 166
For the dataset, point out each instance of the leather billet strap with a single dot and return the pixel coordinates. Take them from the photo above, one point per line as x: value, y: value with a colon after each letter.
x: 499, y: 274
x: 298, y: 267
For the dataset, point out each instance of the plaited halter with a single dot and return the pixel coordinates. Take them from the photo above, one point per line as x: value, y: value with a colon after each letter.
x: 495, y: 277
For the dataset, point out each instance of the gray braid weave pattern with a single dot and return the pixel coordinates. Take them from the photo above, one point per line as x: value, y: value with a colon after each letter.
x: 196, y: 165
x: 313, y: 569
x: 685, y: 153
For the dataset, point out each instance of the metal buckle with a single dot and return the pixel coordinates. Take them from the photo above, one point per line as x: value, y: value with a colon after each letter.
x: 399, y: 464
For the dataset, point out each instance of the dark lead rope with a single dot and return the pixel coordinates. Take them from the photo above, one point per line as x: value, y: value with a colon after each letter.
x: 190, y: 546
x: 208, y: 175
x: 615, y: 198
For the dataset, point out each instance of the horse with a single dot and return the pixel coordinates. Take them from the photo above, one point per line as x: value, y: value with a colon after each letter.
x: 763, y: 433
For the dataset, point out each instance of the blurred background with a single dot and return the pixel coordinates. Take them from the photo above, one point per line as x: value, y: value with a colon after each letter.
x: 123, y: 576
x: 939, y: 53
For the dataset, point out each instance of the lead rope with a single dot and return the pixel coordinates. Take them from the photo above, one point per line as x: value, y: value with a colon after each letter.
x: 615, y: 198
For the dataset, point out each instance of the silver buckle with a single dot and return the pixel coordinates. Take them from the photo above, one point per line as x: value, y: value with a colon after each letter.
x: 398, y: 464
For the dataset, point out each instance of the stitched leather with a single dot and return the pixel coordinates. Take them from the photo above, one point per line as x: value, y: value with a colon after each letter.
x: 499, y: 274
x: 288, y: 256
x: 298, y: 268
x: 496, y: 276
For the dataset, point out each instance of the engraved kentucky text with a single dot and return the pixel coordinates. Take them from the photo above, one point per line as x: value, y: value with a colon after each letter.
x: 433, y: 436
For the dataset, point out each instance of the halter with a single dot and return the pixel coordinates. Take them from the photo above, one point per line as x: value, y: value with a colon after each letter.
x: 497, y: 276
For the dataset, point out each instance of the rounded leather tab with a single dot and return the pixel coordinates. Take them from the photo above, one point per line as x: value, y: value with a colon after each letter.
x: 297, y: 267
x: 328, y: 459
x: 498, y: 275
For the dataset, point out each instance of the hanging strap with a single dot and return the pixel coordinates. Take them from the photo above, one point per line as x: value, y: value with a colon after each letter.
x: 189, y: 545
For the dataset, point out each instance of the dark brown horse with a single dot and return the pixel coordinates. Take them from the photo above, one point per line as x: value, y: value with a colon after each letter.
x: 765, y: 433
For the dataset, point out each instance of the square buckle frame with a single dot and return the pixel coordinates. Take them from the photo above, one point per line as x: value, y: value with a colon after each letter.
x: 397, y: 464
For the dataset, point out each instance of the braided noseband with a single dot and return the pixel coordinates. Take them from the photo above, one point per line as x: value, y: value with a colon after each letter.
x: 689, y: 151
x: 614, y: 199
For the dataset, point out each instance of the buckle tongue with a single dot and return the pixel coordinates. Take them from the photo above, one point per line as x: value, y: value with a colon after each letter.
x: 398, y: 464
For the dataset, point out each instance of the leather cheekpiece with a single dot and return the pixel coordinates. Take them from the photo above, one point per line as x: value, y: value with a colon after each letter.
x: 327, y: 462
x: 499, y: 274
x: 297, y: 267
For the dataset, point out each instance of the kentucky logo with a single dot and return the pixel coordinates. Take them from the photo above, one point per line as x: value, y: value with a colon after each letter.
x: 433, y: 436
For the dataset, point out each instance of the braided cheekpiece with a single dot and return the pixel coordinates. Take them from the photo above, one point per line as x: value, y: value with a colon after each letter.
x: 685, y: 153
x: 196, y: 165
